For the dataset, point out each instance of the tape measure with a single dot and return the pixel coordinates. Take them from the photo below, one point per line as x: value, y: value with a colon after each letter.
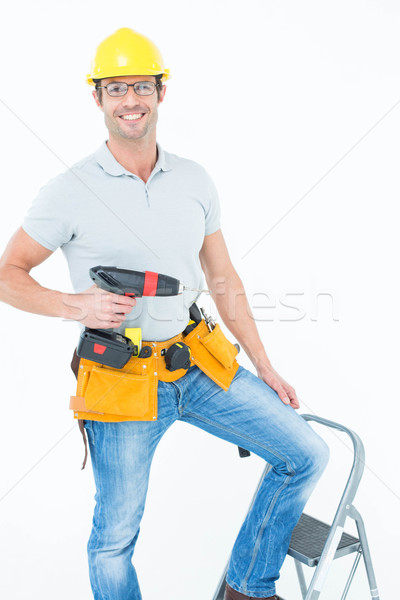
x: 177, y: 356
x: 135, y: 335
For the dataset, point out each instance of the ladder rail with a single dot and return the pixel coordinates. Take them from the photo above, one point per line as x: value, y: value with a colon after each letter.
x: 337, y: 527
x: 351, y: 575
x: 344, y: 510
x: 354, y: 514
x: 357, y: 468
x: 301, y: 578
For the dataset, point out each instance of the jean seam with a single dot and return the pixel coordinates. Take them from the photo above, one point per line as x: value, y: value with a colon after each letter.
x: 97, y: 585
x: 180, y: 393
x: 182, y: 408
x: 245, y: 437
x: 262, y: 529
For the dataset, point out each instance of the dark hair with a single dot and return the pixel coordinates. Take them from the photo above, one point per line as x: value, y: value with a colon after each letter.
x: 99, y: 90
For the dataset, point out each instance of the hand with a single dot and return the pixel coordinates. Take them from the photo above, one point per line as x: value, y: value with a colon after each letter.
x: 285, y: 391
x: 98, y: 309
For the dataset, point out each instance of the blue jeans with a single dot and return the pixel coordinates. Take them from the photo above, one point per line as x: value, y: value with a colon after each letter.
x: 251, y: 415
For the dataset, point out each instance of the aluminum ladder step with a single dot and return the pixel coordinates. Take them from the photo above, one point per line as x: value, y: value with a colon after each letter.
x: 309, y: 537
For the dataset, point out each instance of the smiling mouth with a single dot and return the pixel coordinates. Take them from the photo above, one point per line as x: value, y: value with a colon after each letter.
x: 132, y: 117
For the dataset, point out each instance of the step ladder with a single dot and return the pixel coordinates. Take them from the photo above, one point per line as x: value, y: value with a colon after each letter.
x: 316, y: 544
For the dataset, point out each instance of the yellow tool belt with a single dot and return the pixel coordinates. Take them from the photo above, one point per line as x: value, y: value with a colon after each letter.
x: 130, y: 393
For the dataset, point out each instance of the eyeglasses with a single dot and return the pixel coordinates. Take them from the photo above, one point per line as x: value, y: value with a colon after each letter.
x: 120, y: 88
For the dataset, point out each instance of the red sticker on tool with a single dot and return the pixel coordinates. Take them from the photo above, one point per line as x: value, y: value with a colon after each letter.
x: 150, y: 283
x: 99, y: 349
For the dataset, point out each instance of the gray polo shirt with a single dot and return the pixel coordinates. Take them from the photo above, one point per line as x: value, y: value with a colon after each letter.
x: 99, y: 213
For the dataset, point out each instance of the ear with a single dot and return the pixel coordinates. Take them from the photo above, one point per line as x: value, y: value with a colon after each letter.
x: 94, y: 94
x: 162, y: 93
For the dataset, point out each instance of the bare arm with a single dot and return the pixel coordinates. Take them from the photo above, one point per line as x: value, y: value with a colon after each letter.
x: 229, y: 296
x: 94, y: 307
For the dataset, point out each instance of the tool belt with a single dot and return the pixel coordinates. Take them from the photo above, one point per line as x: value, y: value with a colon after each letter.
x: 130, y: 393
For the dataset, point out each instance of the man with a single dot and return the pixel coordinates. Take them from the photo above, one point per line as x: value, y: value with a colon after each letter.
x: 134, y: 205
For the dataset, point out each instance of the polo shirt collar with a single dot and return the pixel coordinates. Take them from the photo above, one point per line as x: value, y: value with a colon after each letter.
x: 111, y: 166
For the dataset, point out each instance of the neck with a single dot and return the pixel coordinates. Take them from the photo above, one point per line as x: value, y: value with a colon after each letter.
x: 136, y: 156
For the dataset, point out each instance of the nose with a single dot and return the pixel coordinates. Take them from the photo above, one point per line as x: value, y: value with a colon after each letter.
x: 130, y: 96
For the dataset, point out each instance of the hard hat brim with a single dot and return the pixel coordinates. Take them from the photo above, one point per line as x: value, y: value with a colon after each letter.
x: 124, y: 73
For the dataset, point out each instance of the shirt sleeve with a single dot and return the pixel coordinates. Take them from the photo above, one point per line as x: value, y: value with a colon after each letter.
x: 213, y: 213
x: 49, y: 218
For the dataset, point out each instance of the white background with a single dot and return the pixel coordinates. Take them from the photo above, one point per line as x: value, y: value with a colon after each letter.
x: 280, y: 101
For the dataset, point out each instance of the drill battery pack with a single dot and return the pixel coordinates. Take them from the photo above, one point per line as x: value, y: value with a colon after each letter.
x: 106, y: 347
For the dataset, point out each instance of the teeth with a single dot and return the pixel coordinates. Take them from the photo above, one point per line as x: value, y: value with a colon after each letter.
x: 131, y: 117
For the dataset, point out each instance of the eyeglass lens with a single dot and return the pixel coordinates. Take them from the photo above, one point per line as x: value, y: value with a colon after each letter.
x: 120, y: 88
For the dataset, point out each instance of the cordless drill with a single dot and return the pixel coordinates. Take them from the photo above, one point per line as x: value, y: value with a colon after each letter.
x: 137, y: 283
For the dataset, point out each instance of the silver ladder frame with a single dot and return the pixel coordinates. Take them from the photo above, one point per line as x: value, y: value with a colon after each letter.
x: 345, y: 510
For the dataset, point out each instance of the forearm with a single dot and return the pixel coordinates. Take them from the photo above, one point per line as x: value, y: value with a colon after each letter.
x: 229, y: 296
x: 20, y: 290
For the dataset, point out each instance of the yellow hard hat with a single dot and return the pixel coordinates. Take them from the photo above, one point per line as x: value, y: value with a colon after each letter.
x: 126, y: 52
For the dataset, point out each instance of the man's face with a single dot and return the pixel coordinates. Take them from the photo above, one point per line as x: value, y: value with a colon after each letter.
x: 130, y: 116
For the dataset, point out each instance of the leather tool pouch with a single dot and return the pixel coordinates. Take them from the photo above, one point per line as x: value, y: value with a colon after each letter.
x: 107, y: 394
x: 220, y: 347
x: 213, y: 353
x: 111, y: 392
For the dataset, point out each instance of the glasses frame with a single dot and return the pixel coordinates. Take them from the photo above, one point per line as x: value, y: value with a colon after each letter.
x: 105, y: 87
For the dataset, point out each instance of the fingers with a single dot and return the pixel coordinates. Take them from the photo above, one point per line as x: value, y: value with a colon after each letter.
x: 113, y: 304
x: 101, y: 309
x: 280, y: 390
x: 119, y: 299
x: 113, y: 324
x: 287, y: 394
x: 294, y: 401
x: 121, y: 309
x: 110, y: 296
x: 276, y: 383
